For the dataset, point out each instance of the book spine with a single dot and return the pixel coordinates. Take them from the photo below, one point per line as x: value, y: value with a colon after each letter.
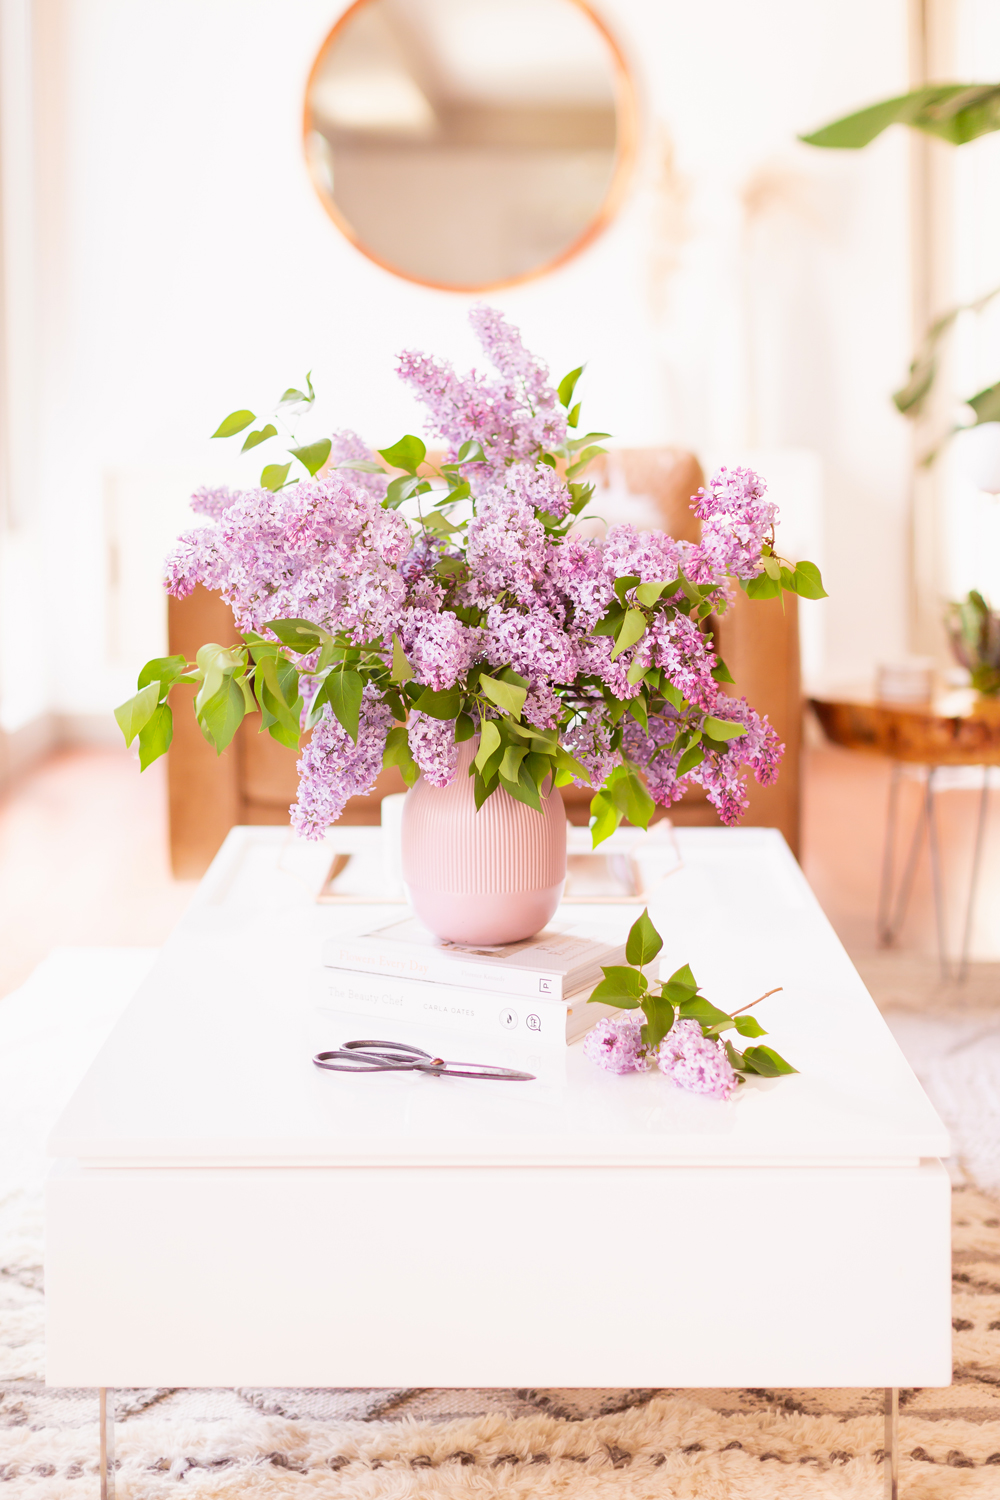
x: 508, y: 1018
x: 417, y: 965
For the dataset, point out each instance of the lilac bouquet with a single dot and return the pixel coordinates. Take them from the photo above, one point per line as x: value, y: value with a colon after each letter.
x: 673, y: 1027
x: 390, y: 609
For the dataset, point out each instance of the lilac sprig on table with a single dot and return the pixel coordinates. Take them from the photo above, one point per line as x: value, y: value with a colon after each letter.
x: 391, y: 608
x: 673, y: 1027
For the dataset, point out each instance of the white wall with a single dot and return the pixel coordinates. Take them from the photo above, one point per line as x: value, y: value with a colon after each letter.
x: 753, y: 294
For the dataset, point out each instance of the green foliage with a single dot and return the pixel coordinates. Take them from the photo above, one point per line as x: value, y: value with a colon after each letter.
x: 508, y: 692
x: 314, y: 455
x: 234, y: 423
x: 401, y: 669
x: 155, y: 735
x: 409, y: 453
x: 568, y: 385
x: 258, y: 436
x: 273, y: 476
x: 954, y: 112
x: 626, y: 986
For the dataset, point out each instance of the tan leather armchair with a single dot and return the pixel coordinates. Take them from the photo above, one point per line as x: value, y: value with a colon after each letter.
x: 254, y: 781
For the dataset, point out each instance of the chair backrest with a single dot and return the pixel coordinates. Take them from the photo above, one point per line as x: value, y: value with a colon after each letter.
x: 254, y: 781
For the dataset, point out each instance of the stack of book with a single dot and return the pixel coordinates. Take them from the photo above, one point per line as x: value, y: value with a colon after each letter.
x: 534, y: 992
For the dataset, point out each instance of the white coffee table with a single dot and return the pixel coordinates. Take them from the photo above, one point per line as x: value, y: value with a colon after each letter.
x: 223, y: 1213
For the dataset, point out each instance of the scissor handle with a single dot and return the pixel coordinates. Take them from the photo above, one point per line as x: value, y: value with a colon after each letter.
x: 339, y: 1060
x: 368, y: 1056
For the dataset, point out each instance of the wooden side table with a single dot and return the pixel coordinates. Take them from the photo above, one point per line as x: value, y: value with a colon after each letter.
x: 955, y: 729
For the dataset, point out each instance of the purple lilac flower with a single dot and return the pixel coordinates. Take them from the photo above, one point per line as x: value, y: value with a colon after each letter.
x: 346, y: 445
x: 333, y: 768
x: 736, y: 521
x: 696, y: 1062
x: 615, y: 1043
x: 210, y: 502
x: 439, y: 647
x: 590, y: 743
x: 432, y: 745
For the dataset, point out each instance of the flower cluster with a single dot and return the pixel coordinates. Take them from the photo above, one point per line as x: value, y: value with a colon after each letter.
x: 383, y: 602
x: 686, y: 1056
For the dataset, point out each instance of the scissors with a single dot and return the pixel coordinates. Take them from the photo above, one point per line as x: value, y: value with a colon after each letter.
x: 399, y: 1057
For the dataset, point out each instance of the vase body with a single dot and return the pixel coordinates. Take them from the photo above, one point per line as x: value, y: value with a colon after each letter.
x: 487, y: 877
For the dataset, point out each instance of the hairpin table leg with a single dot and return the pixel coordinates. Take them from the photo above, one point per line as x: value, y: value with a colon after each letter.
x: 107, y: 1445
x: 891, y: 1444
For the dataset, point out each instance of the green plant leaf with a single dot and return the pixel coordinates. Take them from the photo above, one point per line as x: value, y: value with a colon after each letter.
x: 620, y: 986
x: 723, y: 729
x: 704, y: 1012
x: 568, y: 385
x: 636, y: 672
x: 465, y: 728
x: 643, y: 942
x: 299, y: 635
x: 155, y: 735
x: 627, y: 791
x: 234, y: 423
x: 489, y: 741
x: 293, y: 396
x: 397, y: 752
x: 986, y: 404
x: 772, y: 567
x: 623, y: 584
x: 260, y: 435
x: 162, y: 669
x: 435, y: 521
x: 343, y: 692
x: 401, y: 670
x: 136, y: 712
x: 510, y: 766
x: 471, y: 452
x: 761, y: 587
x: 363, y: 465
x: 222, y: 714
x: 721, y: 672
x: 275, y: 705
x: 273, y: 476
x: 409, y: 453
x: 314, y: 455
x: 506, y: 695
x: 582, y: 461
x: 610, y: 623
x: 403, y: 488
x: 693, y: 756
x: 637, y: 708
x: 684, y: 977
x: 523, y: 789
x: 573, y: 417
x: 605, y: 817
x: 633, y: 628
x: 659, y: 1015
x: 444, y: 705
x: 807, y: 582
x: 648, y: 593
x: 748, y: 1026
x: 766, y: 1062
x: 955, y: 112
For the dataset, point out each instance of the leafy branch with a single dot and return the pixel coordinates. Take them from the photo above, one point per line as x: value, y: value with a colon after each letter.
x: 679, y: 999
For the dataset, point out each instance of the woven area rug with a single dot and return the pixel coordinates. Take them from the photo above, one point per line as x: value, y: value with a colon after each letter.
x: 391, y: 1444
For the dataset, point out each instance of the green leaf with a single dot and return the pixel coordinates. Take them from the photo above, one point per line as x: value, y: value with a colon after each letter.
x: 636, y: 672
x: 582, y: 461
x: 216, y: 664
x: 659, y: 1015
x: 506, y: 695
x: 444, y: 705
x: 273, y: 476
x: 684, y: 978
x: 630, y: 796
x: 704, y: 1012
x: 637, y: 708
x: 723, y: 729
x: 643, y: 942
x: 409, y: 453
x: 721, y: 672
x: 573, y: 418
x: 162, y: 669
x: 403, y: 488
x: 674, y: 696
x: 510, y: 766
x: 155, y: 736
x: 766, y: 1062
x: 623, y: 584
x: 465, y: 728
x: 397, y: 752
x: 363, y: 465
x: 343, y: 692
x: 314, y: 455
x: 620, y: 986
x: 271, y: 696
x: 292, y: 396
x: 772, y: 567
x: 401, y: 670
x: 234, y: 423
x: 299, y: 635
x: 648, y: 593
x: 761, y: 587
x: 439, y: 523
x: 136, y: 712
x: 693, y: 756
x: 610, y: 623
x: 581, y: 442
x: 568, y: 385
x: 807, y: 582
x: 955, y: 112
x: 748, y: 1026
x: 489, y: 741
x: 986, y: 404
x: 259, y: 436
x: 523, y: 789
x: 222, y: 714
x: 471, y: 452
x: 605, y: 816
x: 633, y: 628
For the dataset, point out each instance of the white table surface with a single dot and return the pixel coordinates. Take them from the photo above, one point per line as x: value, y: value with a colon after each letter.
x: 222, y: 1213
x: 211, y: 1063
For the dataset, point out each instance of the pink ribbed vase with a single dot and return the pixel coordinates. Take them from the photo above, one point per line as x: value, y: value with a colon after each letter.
x: 492, y: 876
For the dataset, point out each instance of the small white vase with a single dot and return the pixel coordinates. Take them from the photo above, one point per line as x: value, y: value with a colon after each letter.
x: 487, y: 877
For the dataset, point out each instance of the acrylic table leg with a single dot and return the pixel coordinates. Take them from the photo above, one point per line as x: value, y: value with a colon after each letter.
x: 891, y: 1445
x: 107, y: 1423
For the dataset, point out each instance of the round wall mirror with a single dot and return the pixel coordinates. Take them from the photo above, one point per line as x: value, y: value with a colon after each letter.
x: 469, y: 144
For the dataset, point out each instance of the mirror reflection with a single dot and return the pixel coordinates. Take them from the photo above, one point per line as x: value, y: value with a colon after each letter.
x: 469, y: 143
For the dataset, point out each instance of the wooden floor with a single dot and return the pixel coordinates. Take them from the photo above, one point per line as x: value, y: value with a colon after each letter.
x: 83, y: 857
